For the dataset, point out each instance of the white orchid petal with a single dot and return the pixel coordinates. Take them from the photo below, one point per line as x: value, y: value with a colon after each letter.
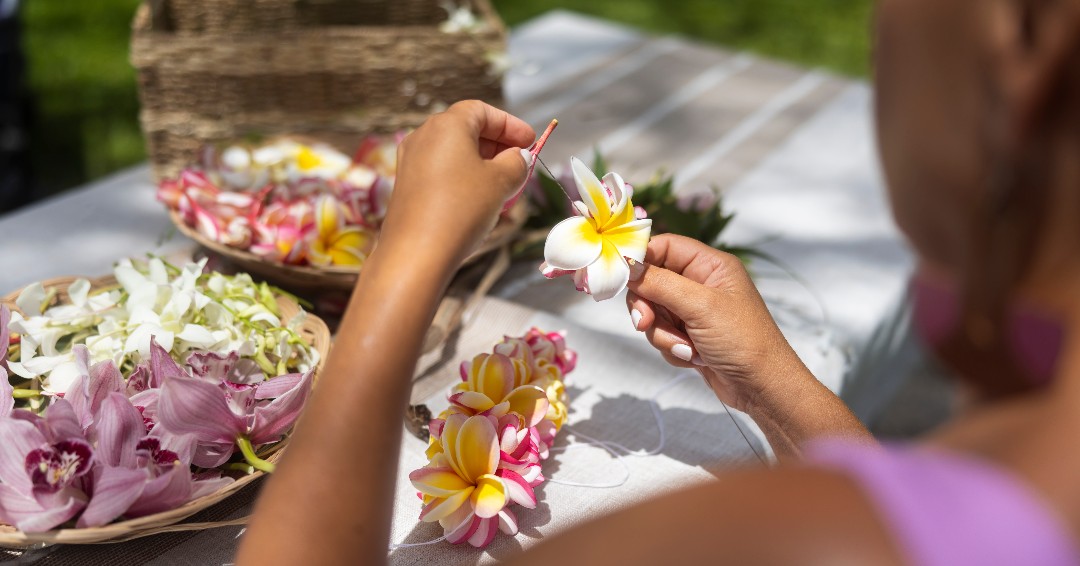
x: 79, y: 291
x: 608, y: 275
x: 158, y: 274
x: 196, y: 336
x: 31, y: 298
x: 60, y: 378
x: 572, y: 244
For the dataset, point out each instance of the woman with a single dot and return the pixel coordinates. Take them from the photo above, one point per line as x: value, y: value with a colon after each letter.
x: 977, y: 112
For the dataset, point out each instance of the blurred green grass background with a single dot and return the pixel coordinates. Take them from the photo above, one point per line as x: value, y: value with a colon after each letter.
x: 85, y: 116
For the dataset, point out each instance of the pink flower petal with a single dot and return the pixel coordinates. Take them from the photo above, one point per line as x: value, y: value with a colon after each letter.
x: 274, y: 419
x: 118, y: 429
x: 115, y: 489
x: 192, y: 406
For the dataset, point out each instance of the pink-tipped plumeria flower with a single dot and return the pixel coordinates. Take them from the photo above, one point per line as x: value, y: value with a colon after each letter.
x: 460, y: 488
x: 496, y: 384
x: 594, y: 247
x: 336, y: 241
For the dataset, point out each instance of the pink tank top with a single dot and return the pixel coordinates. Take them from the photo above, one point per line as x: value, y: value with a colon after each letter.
x: 946, y: 509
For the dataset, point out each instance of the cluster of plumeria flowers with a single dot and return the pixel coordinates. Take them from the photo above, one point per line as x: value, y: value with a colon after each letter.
x: 287, y: 201
x: 486, y: 449
x: 593, y: 246
x: 132, y: 401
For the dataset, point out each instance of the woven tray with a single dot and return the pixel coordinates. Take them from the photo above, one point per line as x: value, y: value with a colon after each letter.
x: 334, y: 82
x: 314, y: 332
x: 308, y: 278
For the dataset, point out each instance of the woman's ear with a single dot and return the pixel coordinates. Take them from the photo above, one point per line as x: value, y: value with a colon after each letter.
x: 1034, y: 46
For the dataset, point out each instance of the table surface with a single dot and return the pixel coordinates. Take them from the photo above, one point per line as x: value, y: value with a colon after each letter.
x: 791, y: 149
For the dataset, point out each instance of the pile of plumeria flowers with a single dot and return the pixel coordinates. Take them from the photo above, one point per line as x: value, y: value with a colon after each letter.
x: 486, y: 449
x: 287, y: 201
x: 132, y: 401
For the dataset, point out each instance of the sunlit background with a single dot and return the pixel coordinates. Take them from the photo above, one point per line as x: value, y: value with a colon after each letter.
x: 81, y: 100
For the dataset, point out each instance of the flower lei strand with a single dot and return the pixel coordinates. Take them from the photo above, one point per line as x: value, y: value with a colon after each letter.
x: 486, y: 449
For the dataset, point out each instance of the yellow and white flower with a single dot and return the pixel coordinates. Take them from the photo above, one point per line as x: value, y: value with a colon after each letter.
x: 594, y: 246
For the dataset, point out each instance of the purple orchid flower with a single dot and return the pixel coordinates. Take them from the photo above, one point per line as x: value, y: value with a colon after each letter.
x: 7, y: 400
x: 5, y: 335
x: 43, y: 468
x: 223, y: 414
x: 136, y: 476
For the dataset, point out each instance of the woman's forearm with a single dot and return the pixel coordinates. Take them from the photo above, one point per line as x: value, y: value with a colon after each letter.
x: 333, y: 490
x: 796, y: 410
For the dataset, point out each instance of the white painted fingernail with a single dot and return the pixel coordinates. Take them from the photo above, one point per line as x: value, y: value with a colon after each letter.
x: 682, y: 351
x: 635, y: 315
x: 697, y: 361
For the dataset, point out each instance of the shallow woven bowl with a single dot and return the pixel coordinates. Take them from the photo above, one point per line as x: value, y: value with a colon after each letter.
x: 310, y: 277
x: 314, y: 332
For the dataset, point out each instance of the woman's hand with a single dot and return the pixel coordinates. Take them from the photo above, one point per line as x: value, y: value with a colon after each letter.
x: 454, y: 174
x: 698, y: 306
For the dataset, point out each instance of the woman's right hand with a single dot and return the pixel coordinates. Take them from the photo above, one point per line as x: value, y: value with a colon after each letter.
x: 699, y: 308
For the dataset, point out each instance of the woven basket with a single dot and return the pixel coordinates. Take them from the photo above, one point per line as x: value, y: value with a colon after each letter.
x: 209, y: 70
x: 227, y: 16
x: 314, y: 332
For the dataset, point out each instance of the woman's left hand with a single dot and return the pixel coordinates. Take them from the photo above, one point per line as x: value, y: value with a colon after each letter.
x: 454, y: 174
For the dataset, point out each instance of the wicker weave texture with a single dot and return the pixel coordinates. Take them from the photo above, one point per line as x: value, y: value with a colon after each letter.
x: 277, y: 67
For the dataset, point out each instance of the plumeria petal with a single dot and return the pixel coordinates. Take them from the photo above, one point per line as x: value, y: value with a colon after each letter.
x: 517, y: 489
x: 592, y: 192
x: 460, y: 525
x: 530, y: 402
x: 441, y: 507
x: 489, y: 497
x: 477, y: 449
x: 508, y: 522
x: 438, y: 482
x: 485, y: 533
x: 473, y: 401
x: 572, y: 244
x: 608, y: 275
x: 631, y: 238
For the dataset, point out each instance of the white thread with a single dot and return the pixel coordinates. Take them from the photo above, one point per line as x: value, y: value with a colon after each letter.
x: 412, y: 544
x: 614, y: 448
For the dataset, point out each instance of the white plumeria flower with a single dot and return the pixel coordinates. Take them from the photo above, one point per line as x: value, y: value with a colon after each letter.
x: 593, y: 247
x: 316, y: 161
